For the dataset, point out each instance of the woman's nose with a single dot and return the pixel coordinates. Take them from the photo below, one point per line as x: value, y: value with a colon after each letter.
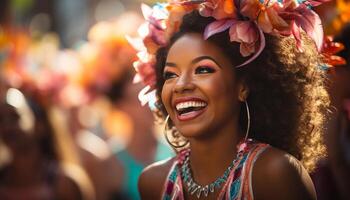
x: 184, y: 83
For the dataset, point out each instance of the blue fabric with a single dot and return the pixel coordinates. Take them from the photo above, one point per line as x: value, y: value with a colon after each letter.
x: 133, y: 168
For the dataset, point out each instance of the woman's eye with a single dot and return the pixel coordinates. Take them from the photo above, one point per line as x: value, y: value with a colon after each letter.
x: 169, y: 75
x: 204, y: 70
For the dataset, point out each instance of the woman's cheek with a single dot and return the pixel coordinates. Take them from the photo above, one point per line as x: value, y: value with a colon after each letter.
x: 166, y: 97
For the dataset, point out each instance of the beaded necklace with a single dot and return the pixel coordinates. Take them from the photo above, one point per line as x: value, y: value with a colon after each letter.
x: 194, y: 187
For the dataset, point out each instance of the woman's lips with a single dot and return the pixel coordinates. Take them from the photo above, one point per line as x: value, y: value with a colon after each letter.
x: 197, y: 107
x: 190, y: 115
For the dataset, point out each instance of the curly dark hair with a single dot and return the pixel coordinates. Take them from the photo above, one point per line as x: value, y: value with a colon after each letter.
x: 287, y: 96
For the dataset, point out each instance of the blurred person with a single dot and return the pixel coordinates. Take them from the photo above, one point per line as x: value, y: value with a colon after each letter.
x: 96, y: 158
x: 143, y: 147
x: 33, y: 169
x: 332, y: 176
x: 107, y: 72
x: 32, y: 65
x: 103, y: 59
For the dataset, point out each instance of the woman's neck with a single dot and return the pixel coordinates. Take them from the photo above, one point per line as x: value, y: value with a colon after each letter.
x: 210, y: 157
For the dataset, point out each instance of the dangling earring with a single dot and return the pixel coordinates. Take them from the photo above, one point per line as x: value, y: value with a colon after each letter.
x: 248, y: 121
x: 176, y: 135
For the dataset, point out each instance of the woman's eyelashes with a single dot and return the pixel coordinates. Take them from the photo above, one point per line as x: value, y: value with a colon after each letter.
x: 168, y: 75
x: 198, y: 70
x: 204, y: 70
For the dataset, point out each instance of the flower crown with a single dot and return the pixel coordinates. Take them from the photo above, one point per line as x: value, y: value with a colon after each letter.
x: 246, y: 20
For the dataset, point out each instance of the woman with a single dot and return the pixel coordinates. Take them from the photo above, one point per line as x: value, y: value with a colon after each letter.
x: 269, y: 106
x: 132, y: 158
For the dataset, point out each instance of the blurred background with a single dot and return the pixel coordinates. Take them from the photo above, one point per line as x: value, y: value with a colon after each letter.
x: 71, y: 125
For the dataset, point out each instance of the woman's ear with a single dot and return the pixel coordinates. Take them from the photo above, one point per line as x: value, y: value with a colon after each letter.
x: 243, y: 91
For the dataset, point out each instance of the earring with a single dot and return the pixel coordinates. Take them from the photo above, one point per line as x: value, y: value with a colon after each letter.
x: 176, y: 135
x: 248, y: 121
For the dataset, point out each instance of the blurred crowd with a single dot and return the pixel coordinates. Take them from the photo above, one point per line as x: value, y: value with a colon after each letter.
x: 71, y: 124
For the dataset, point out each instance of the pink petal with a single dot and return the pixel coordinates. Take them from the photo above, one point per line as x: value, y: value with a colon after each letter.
x: 310, y: 22
x: 243, y: 31
x: 217, y: 27
x: 250, y: 8
x: 247, y: 48
x: 233, y: 33
x: 158, y: 36
x: 261, y: 48
x: 137, y: 78
x: 264, y: 22
x: 296, y: 34
x: 136, y: 43
x: 205, y: 12
x: 246, y: 32
x: 277, y: 22
x: 146, y: 11
x: 315, y: 3
x: 144, y: 96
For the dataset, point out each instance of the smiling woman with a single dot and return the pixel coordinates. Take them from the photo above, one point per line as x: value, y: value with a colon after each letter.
x: 270, y: 107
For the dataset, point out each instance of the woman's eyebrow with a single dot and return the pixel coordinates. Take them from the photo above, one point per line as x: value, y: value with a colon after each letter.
x: 170, y: 64
x: 203, y: 58
x: 198, y: 59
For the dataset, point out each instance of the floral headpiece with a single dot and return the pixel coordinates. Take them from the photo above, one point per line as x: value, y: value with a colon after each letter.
x: 246, y: 20
x: 329, y: 51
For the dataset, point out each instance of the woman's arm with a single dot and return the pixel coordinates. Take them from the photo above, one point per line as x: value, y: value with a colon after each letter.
x: 278, y: 175
x: 152, y: 180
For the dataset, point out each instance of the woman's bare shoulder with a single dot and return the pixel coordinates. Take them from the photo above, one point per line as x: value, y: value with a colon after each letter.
x: 151, y: 181
x: 279, y: 175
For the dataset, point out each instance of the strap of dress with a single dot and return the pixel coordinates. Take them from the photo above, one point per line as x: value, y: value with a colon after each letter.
x: 173, y: 189
x: 247, y: 189
x: 238, y: 185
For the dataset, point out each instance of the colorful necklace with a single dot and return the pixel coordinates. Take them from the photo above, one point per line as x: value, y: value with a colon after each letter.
x: 195, y: 188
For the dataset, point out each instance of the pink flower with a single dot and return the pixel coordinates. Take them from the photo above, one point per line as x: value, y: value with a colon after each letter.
x: 306, y: 19
x: 246, y: 33
x: 145, y: 73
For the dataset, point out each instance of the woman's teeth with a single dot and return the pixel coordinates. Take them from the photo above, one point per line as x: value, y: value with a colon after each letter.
x: 189, y: 106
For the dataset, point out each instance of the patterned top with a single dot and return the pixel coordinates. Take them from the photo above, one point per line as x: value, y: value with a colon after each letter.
x: 238, y: 184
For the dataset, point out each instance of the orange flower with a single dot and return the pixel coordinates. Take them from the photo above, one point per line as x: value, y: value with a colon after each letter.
x: 219, y: 9
x: 265, y: 13
x: 329, y: 50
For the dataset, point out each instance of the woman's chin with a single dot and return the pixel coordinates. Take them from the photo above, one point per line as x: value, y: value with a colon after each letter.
x: 192, y: 132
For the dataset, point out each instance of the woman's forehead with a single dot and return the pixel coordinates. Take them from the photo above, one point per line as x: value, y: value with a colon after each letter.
x: 192, y: 45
